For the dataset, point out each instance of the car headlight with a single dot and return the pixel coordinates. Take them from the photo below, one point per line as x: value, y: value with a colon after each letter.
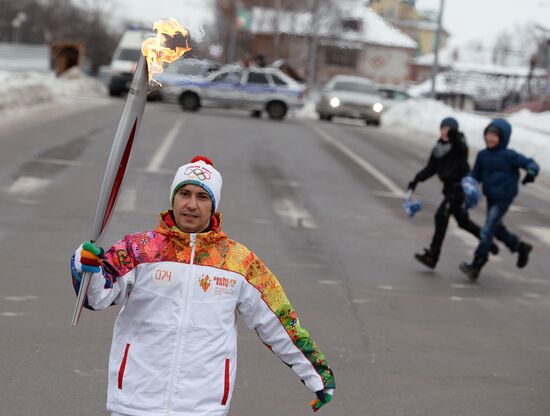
x: 335, y: 102
x: 378, y: 107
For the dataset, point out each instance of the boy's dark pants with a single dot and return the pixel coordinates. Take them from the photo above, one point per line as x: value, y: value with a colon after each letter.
x: 494, y: 227
x: 453, y: 204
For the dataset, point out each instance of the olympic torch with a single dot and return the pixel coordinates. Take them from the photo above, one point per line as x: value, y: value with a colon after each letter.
x: 169, y: 44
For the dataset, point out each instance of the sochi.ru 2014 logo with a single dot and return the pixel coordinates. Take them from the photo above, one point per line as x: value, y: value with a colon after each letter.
x: 198, y: 172
x: 163, y: 278
x: 224, y: 285
x: 204, y: 283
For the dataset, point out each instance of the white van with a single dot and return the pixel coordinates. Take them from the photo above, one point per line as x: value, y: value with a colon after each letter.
x: 125, y: 58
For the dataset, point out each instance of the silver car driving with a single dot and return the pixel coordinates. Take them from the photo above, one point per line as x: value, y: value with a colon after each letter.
x: 351, y: 97
x: 247, y: 88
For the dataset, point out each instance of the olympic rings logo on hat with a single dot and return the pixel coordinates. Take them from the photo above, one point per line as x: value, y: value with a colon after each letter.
x: 198, y: 172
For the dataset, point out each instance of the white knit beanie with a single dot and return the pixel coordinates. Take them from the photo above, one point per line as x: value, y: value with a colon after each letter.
x: 200, y: 172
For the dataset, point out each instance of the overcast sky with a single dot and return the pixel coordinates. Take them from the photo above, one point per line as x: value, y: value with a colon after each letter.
x: 466, y: 19
x: 483, y: 19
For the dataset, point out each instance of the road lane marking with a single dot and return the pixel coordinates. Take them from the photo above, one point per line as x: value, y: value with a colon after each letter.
x: 519, y: 208
x: 12, y: 314
x: 20, y: 298
x: 61, y: 162
x: 26, y: 185
x: 127, y: 200
x: 330, y: 282
x: 518, y: 278
x: 284, y: 182
x: 359, y: 161
x: 162, y: 151
x: 540, y: 233
x: 461, y: 286
x: 532, y: 295
x: 293, y: 215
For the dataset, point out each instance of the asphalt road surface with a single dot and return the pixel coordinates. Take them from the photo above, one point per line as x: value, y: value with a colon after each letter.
x: 321, y: 204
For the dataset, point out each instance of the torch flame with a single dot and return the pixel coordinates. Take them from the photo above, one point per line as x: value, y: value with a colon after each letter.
x: 169, y: 44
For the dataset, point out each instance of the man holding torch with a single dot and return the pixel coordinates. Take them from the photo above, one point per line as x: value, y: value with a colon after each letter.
x: 174, y: 348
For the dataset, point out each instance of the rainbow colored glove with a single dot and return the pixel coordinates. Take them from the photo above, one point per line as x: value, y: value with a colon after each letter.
x: 323, y: 397
x: 91, y: 257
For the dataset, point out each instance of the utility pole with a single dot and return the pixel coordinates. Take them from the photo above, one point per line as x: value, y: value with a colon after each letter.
x: 435, y: 66
x: 546, y: 104
x: 16, y: 24
x: 312, y: 67
x: 234, y: 31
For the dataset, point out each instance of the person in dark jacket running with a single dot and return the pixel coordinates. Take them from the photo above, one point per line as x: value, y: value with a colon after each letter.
x: 497, y: 168
x: 449, y: 160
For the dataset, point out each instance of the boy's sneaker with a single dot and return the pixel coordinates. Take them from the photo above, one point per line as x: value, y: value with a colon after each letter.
x: 470, y: 271
x: 427, y: 259
x: 494, y: 249
x: 523, y: 254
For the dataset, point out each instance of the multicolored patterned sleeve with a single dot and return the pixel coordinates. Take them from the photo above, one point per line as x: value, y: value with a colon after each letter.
x: 265, y: 307
x: 112, y: 285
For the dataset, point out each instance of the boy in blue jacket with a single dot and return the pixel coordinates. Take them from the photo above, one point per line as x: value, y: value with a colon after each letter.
x: 497, y: 168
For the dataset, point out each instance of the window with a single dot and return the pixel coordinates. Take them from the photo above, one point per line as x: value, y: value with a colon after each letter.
x: 129, y: 55
x: 359, y: 87
x: 257, y: 78
x: 230, y: 77
x: 278, y: 80
x: 352, y: 25
x: 342, y: 56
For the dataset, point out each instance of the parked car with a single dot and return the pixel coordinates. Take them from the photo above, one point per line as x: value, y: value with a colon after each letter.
x: 124, y: 61
x: 255, y: 89
x: 350, y: 97
x: 393, y: 94
x: 182, y: 70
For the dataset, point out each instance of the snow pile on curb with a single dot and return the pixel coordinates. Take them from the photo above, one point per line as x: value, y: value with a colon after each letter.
x: 424, y: 116
x: 308, y: 111
x: 535, y: 121
x: 25, y: 89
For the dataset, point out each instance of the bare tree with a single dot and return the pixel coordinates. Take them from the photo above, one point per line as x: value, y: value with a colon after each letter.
x: 503, y: 48
x: 63, y: 20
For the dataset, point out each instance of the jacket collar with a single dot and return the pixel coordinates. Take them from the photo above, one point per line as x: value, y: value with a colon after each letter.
x: 168, y: 227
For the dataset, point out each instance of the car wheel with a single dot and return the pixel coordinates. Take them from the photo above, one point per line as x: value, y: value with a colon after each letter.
x: 190, y: 101
x: 276, y: 110
x: 326, y: 117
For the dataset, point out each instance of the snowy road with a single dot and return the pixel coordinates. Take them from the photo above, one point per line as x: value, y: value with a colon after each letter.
x: 321, y: 204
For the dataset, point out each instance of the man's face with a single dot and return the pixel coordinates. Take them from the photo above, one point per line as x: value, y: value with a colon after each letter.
x: 192, y: 209
x: 492, y: 139
x: 445, y: 133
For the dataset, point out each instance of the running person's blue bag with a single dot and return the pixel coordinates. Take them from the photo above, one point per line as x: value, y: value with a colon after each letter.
x: 471, y: 192
x: 411, y: 206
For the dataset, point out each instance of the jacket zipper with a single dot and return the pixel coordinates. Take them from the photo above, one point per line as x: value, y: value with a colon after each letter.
x: 226, y: 382
x: 123, y: 367
x: 183, y: 323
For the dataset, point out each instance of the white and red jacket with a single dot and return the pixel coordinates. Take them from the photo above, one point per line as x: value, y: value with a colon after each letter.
x: 174, y: 349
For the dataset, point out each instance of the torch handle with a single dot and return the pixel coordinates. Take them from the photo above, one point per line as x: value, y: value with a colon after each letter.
x: 82, y: 292
x: 127, y: 129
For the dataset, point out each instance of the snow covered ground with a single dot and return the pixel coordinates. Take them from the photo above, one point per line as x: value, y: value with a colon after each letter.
x: 21, y: 91
x: 530, y: 131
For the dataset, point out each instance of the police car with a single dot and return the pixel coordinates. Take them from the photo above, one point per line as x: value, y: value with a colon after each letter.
x: 248, y: 88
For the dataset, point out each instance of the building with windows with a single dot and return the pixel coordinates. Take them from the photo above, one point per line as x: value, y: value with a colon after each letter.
x: 351, y: 40
x: 422, y: 27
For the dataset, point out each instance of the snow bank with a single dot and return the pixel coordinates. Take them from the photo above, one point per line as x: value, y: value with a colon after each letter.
x: 535, y: 121
x: 19, y: 90
x: 530, y: 137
